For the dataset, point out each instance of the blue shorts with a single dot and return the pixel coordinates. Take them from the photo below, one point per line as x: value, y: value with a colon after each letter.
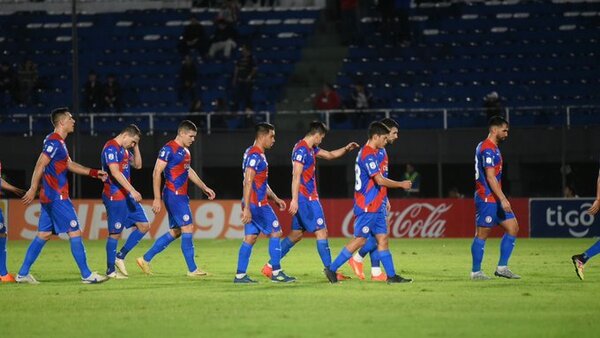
x: 2, y: 225
x: 309, y: 216
x: 490, y: 214
x: 263, y: 220
x: 58, y: 217
x: 123, y: 214
x: 370, y: 223
x: 178, y: 208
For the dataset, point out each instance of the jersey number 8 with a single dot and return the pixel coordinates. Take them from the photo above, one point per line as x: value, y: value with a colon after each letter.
x: 357, y: 182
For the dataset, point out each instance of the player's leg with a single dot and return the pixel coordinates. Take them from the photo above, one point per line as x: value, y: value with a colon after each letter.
x: 477, y: 252
x: 5, y: 277
x: 78, y: 252
x: 137, y: 217
x: 45, y: 228
x: 251, y: 234
x: 344, y: 256
x: 511, y: 228
x: 356, y: 261
x: 579, y: 260
x: 116, y: 212
x: 380, y: 231
x: 286, y: 244
x: 188, y: 250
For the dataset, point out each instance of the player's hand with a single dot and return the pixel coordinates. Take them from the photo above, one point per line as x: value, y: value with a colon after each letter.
x: 293, y: 207
x: 136, y: 195
x: 19, y: 192
x: 351, y: 146
x: 102, y: 175
x: 246, y: 216
x: 156, y: 206
x: 506, y: 205
x: 280, y: 203
x: 406, y: 185
x: 210, y: 193
x: 29, y: 196
x: 388, y: 206
x: 594, y: 208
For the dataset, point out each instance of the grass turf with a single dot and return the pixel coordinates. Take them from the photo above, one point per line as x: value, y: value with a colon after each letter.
x: 548, y: 302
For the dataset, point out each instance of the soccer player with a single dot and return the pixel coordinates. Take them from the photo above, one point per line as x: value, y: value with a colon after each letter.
x: 120, y: 198
x: 580, y: 259
x: 370, y: 204
x: 257, y: 214
x: 491, y: 205
x: 5, y: 277
x: 356, y: 261
x: 57, y: 215
x: 305, y: 207
x: 174, y: 160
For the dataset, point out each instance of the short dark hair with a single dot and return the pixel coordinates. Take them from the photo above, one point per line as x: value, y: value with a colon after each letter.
x: 57, y: 113
x: 132, y: 130
x: 187, y: 125
x: 378, y: 128
x: 317, y: 127
x: 390, y: 123
x: 263, y: 128
x: 497, y: 121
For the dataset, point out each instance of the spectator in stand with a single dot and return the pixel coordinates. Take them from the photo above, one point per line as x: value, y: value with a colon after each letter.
x: 569, y: 192
x: 193, y: 38
x: 492, y: 105
x: 92, y: 92
x: 349, y: 14
x: 243, y: 80
x: 223, y: 39
x: 230, y: 12
x: 27, y: 81
x: 8, y: 84
x: 187, y: 76
x: 112, y: 94
x: 361, y: 98
x: 455, y: 193
x: 412, y: 175
x: 328, y: 99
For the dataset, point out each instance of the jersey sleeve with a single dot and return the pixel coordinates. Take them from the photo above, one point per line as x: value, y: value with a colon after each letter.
x: 372, y: 165
x: 51, y: 148
x: 165, y: 154
x: 253, y: 161
x: 488, y: 158
x: 316, y: 150
x: 111, y: 155
x: 299, y: 155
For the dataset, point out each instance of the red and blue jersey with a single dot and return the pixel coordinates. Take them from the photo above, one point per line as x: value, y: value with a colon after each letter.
x: 487, y: 155
x: 368, y: 195
x: 55, y: 185
x: 178, y: 160
x: 255, y: 159
x: 383, y: 164
x: 306, y: 156
x: 114, y: 153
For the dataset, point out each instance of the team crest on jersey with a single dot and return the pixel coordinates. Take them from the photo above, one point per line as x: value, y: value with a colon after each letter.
x: 365, y: 230
x: 320, y: 221
x: 372, y: 165
x: 488, y: 219
x: 49, y: 149
x: 111, y: 157
x: 186, y: 217
x: 488, y: 160
x: 118, y: 225
x: 252, y: 162
x: 73, y: 224
x: 298, y: 157
x: 275, y: 224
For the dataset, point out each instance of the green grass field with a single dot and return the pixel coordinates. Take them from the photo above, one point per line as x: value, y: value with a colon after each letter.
x: 548, y: 302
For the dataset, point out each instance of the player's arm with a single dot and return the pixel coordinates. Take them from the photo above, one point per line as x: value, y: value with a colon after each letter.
x: 386, y: 182
x: 296, y: 174
x: 38, y: 171
x: 159, y: 167
x: 137, y: 157
x: 9, y: 187
x: 79, y: 169
x: 596, y: 205
x: 249, y: 175
x: 270, y: 194
x: 119, y: 177
x: 200, y: 184
x: 331, y: 155
x: 490, y: 176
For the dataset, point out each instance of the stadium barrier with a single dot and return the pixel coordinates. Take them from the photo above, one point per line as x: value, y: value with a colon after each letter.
x: 562, y: 218
x: 408, y: 218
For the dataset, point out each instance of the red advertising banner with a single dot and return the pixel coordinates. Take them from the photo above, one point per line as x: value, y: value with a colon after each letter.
x: 409, y: 218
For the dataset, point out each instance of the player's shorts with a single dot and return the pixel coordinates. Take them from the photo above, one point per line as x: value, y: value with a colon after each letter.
x: 2, y: 225
x: 123, y: 214
x: 490, y: 214
x: 309, y: 217
x: 370, y: 223
x: 263, y: 220
x: 178, y: 208
x: 58, y: 217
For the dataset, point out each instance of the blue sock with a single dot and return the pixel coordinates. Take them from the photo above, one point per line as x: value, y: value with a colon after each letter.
x: 275, y: 252
x: 592, y: 251
x: 506, y: 247
x: 477, y: 250
x: 32, y: 254
x: 370, y: 246
x: 78, y: 252
x: 111, y: 254
x: 133, y: 239
x: 161, y: 243
x: 375, y: 260
x: 286, y: 244
x: 187, y: 247
x: 324, y: 252
x: 244, y: 257
x: 3, y: 270
x: 342, y: 258
x: 388, y: 262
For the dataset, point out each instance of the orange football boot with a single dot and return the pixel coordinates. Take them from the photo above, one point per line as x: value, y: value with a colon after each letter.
x: 357, y: 268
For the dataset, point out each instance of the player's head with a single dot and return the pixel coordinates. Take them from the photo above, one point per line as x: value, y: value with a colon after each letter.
x: 317, y: 130
x: 131, y: 136
x: 265, y: 134
x: 186, y: 132
x: 393, y: 127
x: 378, y: 134
x: 62, y: 119
x: 498, y: 127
